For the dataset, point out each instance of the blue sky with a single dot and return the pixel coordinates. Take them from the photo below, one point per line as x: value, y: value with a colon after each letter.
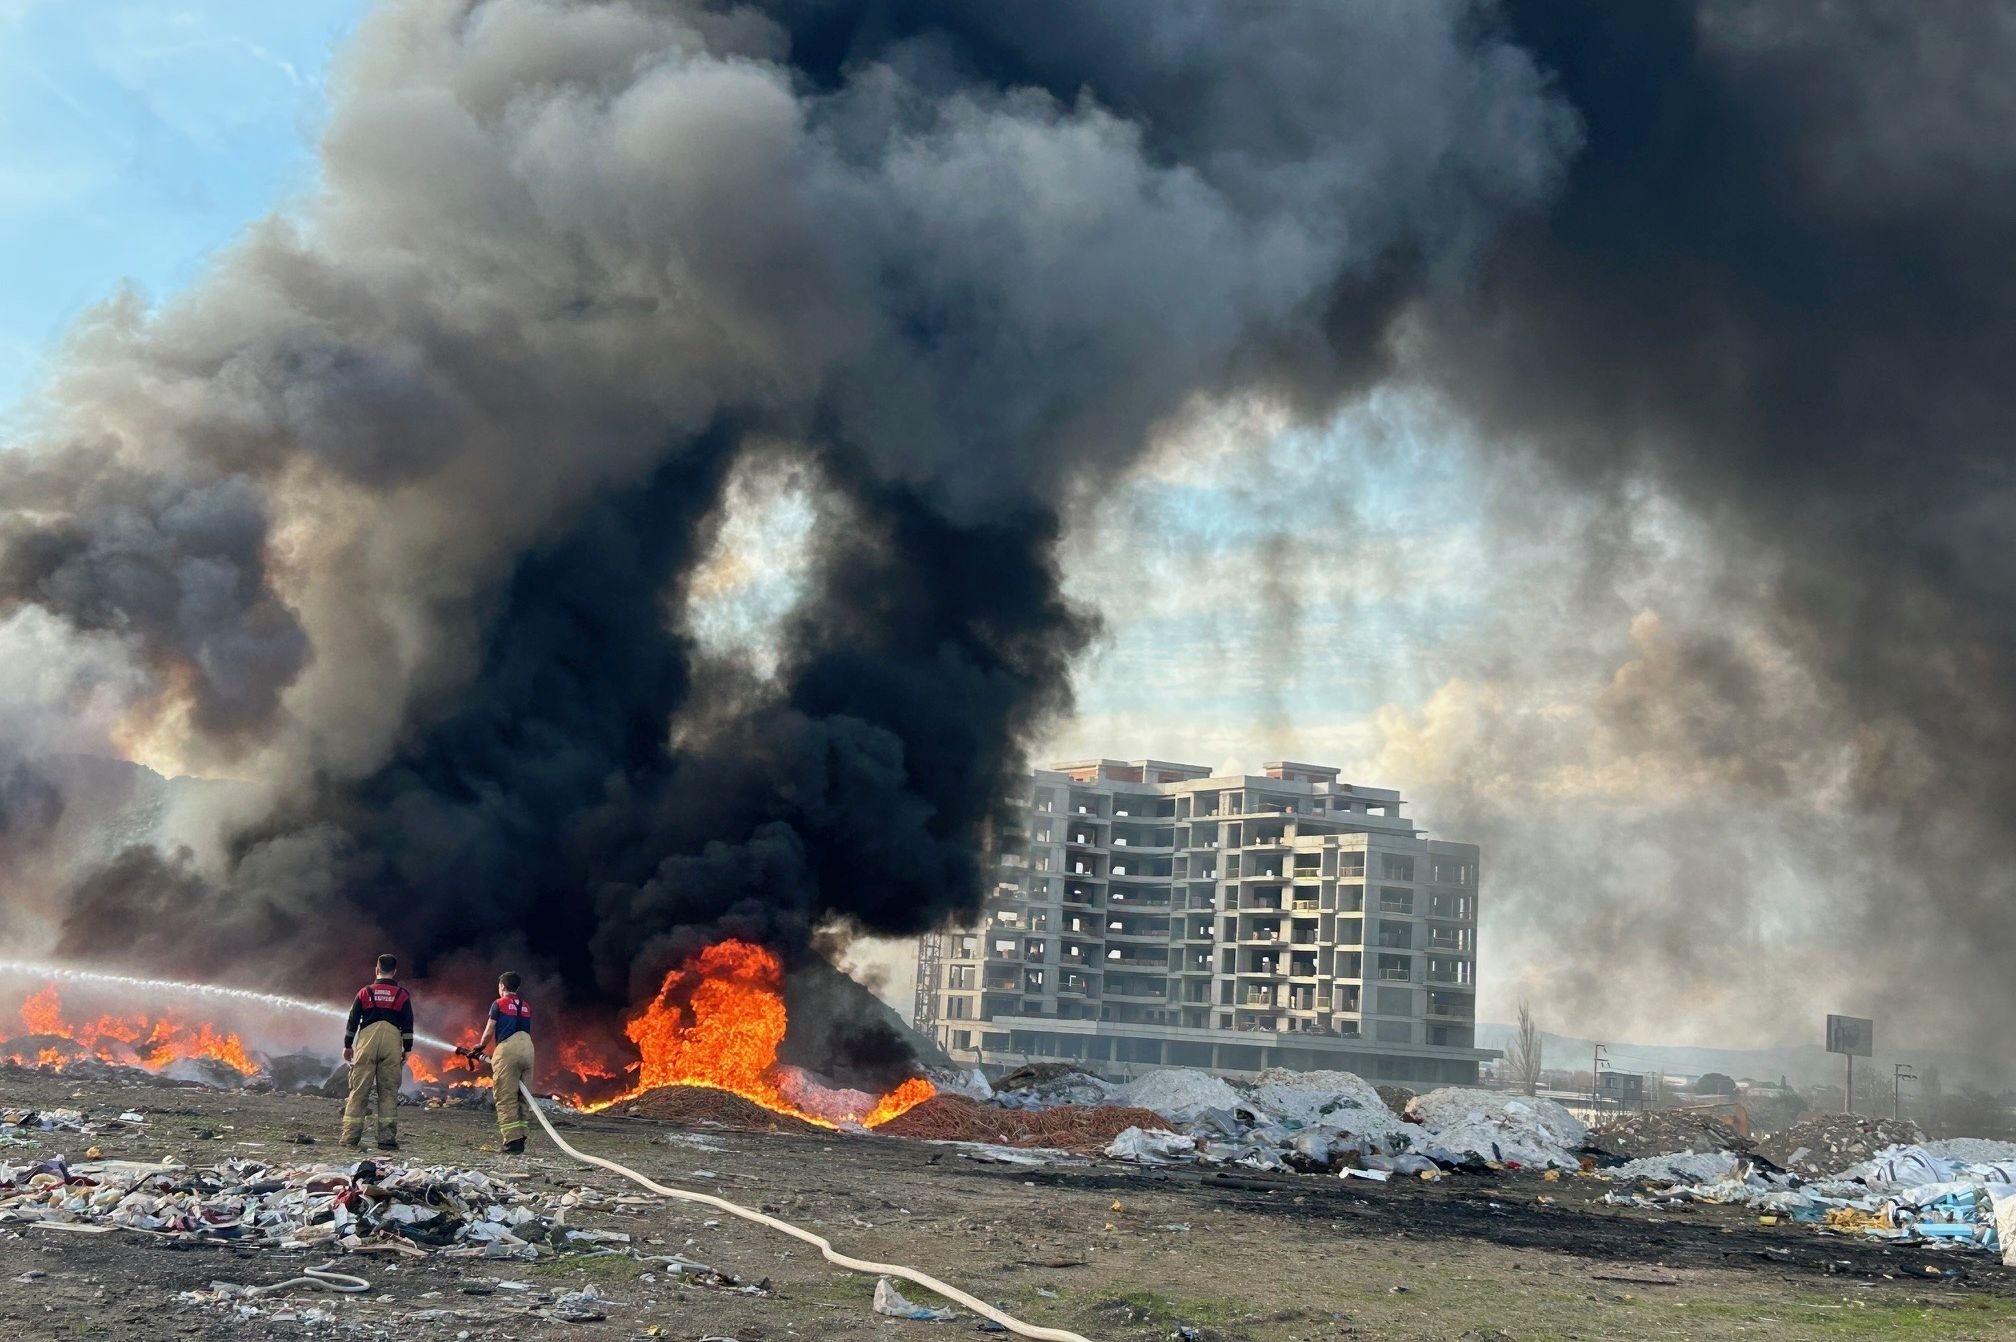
x: 136, y: 138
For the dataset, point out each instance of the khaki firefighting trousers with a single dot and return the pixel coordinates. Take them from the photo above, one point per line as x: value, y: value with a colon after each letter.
x: 510, y: 1064
x: 376, y: 1062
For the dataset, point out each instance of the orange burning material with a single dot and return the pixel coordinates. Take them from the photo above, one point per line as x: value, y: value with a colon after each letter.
x: 135, y: 1040
x: 717, y: 1022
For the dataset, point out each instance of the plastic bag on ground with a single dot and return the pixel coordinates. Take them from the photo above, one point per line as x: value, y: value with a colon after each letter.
x: 890, y: 1301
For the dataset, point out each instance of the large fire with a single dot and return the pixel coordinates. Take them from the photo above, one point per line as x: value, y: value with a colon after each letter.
x: 717, y: 1022
x: 136, y: 1040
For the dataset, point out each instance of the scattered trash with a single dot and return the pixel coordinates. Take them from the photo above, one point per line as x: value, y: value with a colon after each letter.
x: 1902, y: 1193
x: 371, y: 1206
x: 890, y: 1301
x: 582, y: 1306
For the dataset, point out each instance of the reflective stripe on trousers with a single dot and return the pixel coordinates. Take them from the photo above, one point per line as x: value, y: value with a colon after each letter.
x: 510, y: 1064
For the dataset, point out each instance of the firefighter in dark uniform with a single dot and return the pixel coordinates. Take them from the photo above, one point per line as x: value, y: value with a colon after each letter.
x: 376, y: 1041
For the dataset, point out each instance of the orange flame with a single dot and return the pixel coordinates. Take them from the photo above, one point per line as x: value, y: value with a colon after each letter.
x: 43, y: 1014
x: 717, y: 1022
x: 126, y: 1040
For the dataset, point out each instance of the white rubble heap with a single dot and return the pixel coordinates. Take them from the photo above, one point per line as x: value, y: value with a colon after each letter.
x: 1286, y: 1120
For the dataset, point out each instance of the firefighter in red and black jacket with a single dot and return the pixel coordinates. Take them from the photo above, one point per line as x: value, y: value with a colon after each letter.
x: 510, y: 1030
x: 376, y: 1041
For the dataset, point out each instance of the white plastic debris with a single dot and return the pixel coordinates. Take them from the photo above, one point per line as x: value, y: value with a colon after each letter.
x: 890, y: 1301
x: 1681, y: 1167
x: 1155, y: 1147
x: 2005, y: 1226
x: 1511, y: 1130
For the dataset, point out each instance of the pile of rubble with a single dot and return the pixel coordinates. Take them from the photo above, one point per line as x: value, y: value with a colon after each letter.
x: 1902, y: 1193
x: 1083, y: 1129
x: 1824, y: 1145
x: 371, y: 1206
x: 1661, y: 1132
x: 706, y: 1104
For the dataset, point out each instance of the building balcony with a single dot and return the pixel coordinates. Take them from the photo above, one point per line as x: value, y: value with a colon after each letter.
x: 1159, y: 934
x: 1142, y: 995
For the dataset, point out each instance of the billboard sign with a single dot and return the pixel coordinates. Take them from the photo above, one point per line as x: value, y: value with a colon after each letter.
x: 1851, y: 1035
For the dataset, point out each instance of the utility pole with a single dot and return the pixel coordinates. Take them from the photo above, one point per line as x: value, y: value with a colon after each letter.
x: 1901, y: 1073
x: 1595, y: 1081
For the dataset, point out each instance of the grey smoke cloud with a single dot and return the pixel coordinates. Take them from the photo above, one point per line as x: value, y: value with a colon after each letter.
x: 399, y: 508
x: 399, y: 511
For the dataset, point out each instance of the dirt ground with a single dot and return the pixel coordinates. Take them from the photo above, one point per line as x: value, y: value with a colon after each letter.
x: 1107, y: 1250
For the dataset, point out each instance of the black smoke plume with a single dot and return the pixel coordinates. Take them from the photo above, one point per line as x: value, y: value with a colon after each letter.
x: 398, y: 512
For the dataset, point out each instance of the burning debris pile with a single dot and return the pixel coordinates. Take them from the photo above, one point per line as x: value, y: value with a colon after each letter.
x: 717, y: 1023
x: 154, y: 1042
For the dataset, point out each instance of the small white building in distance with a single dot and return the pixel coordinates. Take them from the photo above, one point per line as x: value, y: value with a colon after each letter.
x: 1143, y: 914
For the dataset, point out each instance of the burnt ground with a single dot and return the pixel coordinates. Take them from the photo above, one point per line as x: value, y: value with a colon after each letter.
x: 1108, y: 1250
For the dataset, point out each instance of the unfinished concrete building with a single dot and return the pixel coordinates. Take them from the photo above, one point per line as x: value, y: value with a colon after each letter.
x: 1143, y: 914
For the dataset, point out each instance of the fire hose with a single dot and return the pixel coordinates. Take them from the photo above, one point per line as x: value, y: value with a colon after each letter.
x: 826, y: 1250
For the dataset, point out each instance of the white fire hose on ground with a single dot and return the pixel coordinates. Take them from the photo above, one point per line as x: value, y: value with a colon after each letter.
x: 910, y: 1274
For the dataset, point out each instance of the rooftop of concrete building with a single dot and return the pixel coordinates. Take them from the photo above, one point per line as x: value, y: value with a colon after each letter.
x: 1164, y: 773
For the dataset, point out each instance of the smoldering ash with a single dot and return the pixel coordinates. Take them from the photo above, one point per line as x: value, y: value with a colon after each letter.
x: 397, y: 511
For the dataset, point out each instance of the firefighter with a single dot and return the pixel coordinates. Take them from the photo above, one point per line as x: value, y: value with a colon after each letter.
x: 376, y: 1040
x: 510, y: 1030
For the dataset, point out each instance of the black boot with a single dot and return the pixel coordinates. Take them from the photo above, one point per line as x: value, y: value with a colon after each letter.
x: 515, y: 1147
